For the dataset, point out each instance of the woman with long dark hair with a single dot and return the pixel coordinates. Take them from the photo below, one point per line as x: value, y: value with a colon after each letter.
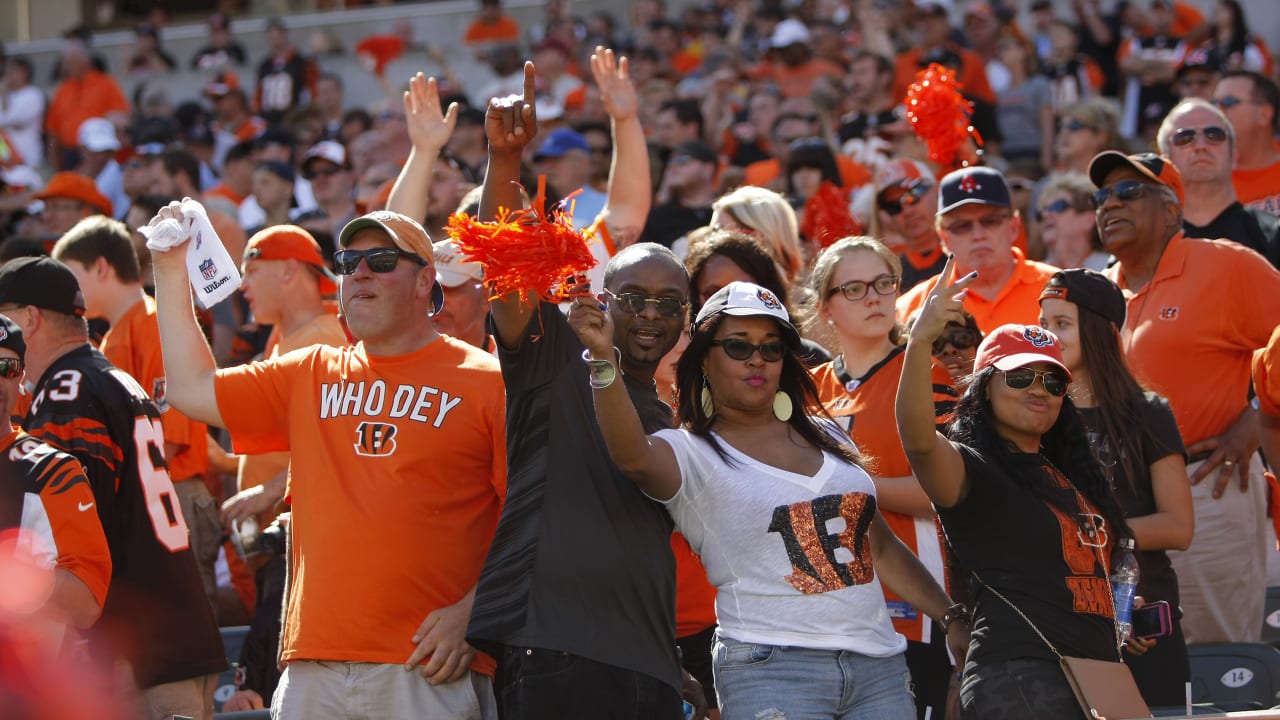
x: 784, y: 517
x: 1024, y: 506
x: 1231, y: 43
x: 1136, y: 440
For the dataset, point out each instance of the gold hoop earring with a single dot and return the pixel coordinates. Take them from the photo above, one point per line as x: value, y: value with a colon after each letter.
x: 708, y: 404
x: 782, y: 406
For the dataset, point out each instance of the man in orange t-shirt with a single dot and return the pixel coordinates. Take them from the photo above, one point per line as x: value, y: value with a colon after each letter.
x: 1252, y: 103
x: 100, y: 253
x: 491, y: 27
x: 84, y: 93
x: 395, y: 489
x: 934, y: 30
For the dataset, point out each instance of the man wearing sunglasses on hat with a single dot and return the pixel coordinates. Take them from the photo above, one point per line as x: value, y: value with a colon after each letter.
x: 1200, y: 141
x: 1197, y: 310
x: 908, y: 199
x: 398, y: 470
x: 1252, y: 102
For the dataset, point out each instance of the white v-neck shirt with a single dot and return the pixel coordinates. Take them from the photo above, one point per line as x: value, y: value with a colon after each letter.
x: 789, y: 554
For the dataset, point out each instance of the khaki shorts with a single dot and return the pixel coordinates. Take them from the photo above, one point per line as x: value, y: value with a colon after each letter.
x: 334, y: 690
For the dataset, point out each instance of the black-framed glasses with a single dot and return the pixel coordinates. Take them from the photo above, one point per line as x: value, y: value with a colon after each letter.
x: 855, y: 290
x: 742, y: 350
x: 1227, y: 102
x: 1074, y: 125
x: 1213, y: 135
x: 990, y: 223
x: 893, y: 199
x: 1125, y: 191
x: 1022, y: 378
x: 635, y: 303
x: 958, y: 338
x: 1057, y: 207
x: 10, y: 368
x: 379, y: 260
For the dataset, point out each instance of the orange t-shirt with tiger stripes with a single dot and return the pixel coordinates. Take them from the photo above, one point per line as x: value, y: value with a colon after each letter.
x: 866, y: 412
x: 396, y: 485
x: 133, y: 345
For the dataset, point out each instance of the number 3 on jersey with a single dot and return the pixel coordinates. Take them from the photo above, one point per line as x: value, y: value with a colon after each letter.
x: 157, y: 488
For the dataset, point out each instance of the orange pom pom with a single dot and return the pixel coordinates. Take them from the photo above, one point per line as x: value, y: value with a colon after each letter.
x: 940, y: 115
x: 827, y: 217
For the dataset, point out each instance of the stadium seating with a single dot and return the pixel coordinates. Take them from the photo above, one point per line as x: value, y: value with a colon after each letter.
x: 1235, y: 676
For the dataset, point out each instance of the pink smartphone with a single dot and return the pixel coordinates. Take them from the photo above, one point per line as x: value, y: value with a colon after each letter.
x: 1152, y: 620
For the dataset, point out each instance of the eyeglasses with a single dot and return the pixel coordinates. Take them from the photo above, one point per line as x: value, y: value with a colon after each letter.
x: 893, y: 199
x: 635, y: 303
x: 855, y: 290
x: 1125, y: 191
x: 743, y: 350
x: 1227, y: 102
x: 1022, y: 378
x: 988, y: 222
x: 10, y: 368
x: 326, y: 172
x: 1074, y: 125
x: 1213, y: 135
x: 960, y: 339
x: 379, y: 260
x: 1057, y: 207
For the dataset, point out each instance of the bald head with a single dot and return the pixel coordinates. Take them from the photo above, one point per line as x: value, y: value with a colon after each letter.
x: 658, y: 256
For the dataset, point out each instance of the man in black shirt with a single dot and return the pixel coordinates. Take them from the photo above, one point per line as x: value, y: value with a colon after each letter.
x: 1197, y: 137
x: 688, y: 188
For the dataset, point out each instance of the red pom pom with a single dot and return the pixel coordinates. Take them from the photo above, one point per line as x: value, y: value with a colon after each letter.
x: 827, y: 217
x: 940, y: 115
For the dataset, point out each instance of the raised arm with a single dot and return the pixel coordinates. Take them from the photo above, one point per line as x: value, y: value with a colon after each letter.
x: 429, y: 130
x: 936, y: 462
x: 648, y: 462
x: 188, y: 361
x: 630, y: 192
x: 509, y: 125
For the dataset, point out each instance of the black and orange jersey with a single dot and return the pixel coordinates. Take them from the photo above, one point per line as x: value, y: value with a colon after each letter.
x: 156, y: 615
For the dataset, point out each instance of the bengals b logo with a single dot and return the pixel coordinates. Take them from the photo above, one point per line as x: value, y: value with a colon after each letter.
x: 375, y: 439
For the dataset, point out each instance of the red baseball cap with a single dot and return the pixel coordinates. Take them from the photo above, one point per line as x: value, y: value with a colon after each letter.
x: 1010, y: 347
x: 290, y: 242
x: 75, y: 186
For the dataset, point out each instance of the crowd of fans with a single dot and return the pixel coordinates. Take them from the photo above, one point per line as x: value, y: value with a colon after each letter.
x: 844, y: 363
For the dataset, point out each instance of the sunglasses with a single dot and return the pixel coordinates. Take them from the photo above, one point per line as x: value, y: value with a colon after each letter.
x: 10, y: 368
x: 990, y: 223
x: 961, y: 339
x: 893, y: 199
x: 743, y: 350
x: 1057, y: 207
x: 379, y: 260
x: 855, y: 290
x: 324, y: 172
x: 1213, y: 135
x: 1124, y: 191
x: 1022, y: 378
x: 1074, y: 125
x: 635, y: 303
x: 1227, y: 102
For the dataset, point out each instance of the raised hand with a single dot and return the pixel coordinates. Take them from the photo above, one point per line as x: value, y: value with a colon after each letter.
x: 943, y: 304
x: 510, y: 123
x: 429, y: 128
x: 590, y: 321
x: 613, y: 77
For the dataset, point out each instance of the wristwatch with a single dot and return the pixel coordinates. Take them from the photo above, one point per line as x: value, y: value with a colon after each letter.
x: 602, y: 372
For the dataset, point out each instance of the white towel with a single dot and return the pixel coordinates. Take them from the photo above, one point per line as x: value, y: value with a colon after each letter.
x: 214, y: 275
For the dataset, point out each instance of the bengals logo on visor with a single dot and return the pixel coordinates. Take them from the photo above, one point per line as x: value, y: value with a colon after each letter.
x: 1037, y: 336
x: 769, y: 300
x: 375, y: 439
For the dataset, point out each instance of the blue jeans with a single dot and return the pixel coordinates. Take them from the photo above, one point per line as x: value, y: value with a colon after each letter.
x: 764, y: 682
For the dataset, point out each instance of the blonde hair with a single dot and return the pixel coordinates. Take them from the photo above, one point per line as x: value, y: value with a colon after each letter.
x: 773, y: 221
x: 823, y: 274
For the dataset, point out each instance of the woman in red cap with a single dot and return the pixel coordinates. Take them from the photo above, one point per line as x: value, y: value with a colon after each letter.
x: 1025, y: 508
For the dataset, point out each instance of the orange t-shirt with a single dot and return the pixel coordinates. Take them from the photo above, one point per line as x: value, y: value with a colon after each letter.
x: 972, y: 76
x: 1266, y: 375
x: 1259, y: 188
x: 222, y: 191
x: 695, y: 595
x: 383, y: 49
x: 1017, y: 302
x: 763, y: 172
x: 504, y: 29
x: 1191, y: 332
x: 396, y: 487
x: 133, y: 345
x: 867, y: 413
x: 797, y: 82
x: 78, y: 99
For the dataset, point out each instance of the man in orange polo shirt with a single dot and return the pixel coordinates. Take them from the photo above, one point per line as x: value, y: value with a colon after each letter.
x: 84, y: 93
x: 1251, y: 102
x: 1197, y: 311
x: 978, y: 225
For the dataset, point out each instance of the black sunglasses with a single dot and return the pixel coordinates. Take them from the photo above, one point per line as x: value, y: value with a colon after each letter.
x: 743, y: 350
x: 1057, y: 207
x: 960, y: 339
x: 10, y: 368
x: 1213, y: 135
x: 326, y: 172
x: 855, y: 290
x: 1126, y: 190
x: 1074, y: 125
x: 1022, y: 378
x: 635, y: 303
x: 379, y: 260
x: 893, y: 199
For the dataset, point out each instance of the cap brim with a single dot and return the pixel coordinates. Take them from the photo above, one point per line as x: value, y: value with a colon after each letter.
x: 1104, y: 163
x: 1013, y: 362
x: 971, y: 201
x: 789, y: 332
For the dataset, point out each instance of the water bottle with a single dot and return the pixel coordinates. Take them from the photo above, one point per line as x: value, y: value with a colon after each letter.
x: 1124, y: 584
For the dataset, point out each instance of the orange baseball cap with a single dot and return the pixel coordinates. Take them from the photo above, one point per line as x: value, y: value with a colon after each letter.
x: 1010, y: 347
x: 75, y: 186
x: 290, y: 242
x: 903, y: 171
x: 1150, y: 165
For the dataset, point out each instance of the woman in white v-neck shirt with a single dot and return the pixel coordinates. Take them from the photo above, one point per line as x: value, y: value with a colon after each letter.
x: 780, y: 511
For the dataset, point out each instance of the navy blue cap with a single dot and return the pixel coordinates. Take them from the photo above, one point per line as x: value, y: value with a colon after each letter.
x: 561, y: 141
x: 11, y: 337
x: 973, y: 186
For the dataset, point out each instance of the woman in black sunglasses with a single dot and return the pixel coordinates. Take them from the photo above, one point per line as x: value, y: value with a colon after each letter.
x: 1133, y: 435
x: 1024, y: 506
x: 784, y: 517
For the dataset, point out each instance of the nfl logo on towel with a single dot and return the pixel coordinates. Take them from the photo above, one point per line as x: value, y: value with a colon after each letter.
x: 208, y: 269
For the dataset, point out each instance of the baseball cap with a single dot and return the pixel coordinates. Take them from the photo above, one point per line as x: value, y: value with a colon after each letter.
x: 407, y: 235
x: 11, y: 337
x: 221, y: 84
x: 290, y: 242
x: 1090, y: 290
x: 975, y: 185
x: 452, y: 269
x: 1199, y: 59
x: 21, y: 176
x: 1148, y: 165
x: 326, y: 150
x: 41, y: 282
x: 97, y: 135
x: 744, y: 299
x: 902, y: 171
x: 789, y: 32
x: 695, y: 149
x: 279, y: 168
x: 561, y: 141
x: 1010, y: 347
x: 75, y: 186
